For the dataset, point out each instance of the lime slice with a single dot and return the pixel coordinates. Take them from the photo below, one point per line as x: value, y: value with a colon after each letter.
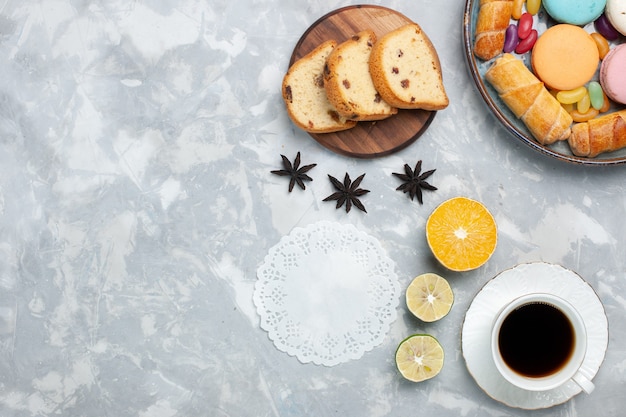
x: 419, y: 357
x: 429, y: 297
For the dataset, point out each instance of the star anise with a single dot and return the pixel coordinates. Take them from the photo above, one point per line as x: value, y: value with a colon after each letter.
x: 414, y: 182
x: 348, y: 192
x: 298, y: 174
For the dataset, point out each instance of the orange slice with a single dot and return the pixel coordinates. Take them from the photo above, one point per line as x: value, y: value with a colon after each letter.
x: 462, y: 234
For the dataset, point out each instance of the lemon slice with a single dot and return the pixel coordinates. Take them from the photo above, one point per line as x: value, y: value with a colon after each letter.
x: 419, y: 357
x: 429, y: 297
x: 461, y: 233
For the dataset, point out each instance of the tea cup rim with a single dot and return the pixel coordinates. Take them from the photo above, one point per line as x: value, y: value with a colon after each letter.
x: 556, y: 379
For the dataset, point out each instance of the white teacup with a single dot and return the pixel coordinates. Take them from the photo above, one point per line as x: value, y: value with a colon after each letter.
x: 538, y: 343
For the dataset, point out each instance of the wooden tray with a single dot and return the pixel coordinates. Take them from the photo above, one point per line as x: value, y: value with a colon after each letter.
x: 366, y: 139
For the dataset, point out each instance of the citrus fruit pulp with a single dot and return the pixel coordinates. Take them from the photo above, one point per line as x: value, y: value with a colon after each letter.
x: 461, y: 233
x: 419, y: 357
x: 429, y: 297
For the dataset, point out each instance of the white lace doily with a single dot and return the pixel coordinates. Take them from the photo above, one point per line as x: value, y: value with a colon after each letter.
x: 326, y: 293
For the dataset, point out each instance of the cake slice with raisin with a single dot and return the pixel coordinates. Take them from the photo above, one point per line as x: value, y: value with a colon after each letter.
x: 348, y: 83
x: 406, y: 71
x: 305, y: 97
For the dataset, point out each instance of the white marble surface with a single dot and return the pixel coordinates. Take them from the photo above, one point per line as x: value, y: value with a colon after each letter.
x: 136, y: 203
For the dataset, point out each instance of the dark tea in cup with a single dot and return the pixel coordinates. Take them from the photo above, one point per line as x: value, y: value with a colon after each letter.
x: 538, y: 343
x: 536, y: 340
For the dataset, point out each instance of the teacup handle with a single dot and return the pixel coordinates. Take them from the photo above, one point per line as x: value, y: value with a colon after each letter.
x: 583, y: 379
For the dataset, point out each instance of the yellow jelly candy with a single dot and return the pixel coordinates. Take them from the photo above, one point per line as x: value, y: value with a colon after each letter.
x: 571, y: 96
x: 583, y: 104
x: 532, y: 6
x: 517, y: 9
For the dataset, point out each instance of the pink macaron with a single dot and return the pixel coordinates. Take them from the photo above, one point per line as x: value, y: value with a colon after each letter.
x: 612, y: 74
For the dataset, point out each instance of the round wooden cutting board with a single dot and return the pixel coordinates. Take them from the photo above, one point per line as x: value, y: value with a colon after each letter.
x: 366, y: 139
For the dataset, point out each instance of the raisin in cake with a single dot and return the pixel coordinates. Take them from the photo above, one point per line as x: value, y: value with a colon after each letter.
x: 406, y: 71
x: 348, y: 83
x: 305, y: 96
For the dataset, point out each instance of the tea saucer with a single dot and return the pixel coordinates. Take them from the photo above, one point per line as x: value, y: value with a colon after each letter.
x: 513, y: 283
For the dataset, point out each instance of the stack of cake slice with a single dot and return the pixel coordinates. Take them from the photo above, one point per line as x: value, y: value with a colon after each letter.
x: 364, y: 79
